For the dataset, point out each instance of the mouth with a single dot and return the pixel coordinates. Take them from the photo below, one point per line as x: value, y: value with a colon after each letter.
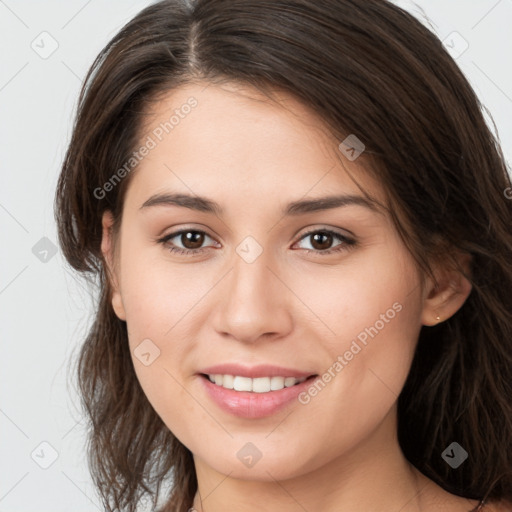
x: 255, y: 385
x: 253, y: 398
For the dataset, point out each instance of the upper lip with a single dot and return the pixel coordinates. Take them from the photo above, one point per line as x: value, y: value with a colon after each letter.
x: 262, y: 370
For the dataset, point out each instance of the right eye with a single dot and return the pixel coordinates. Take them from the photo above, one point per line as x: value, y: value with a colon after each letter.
x: 191, y: 237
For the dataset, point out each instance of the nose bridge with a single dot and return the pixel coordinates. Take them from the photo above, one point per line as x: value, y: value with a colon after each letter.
x: 251, y: 275
x: 255, y: 301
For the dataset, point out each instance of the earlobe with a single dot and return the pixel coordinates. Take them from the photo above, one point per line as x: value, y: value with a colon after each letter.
x: 108, y: 256
x: 117, y: 306
x: 446, y: 297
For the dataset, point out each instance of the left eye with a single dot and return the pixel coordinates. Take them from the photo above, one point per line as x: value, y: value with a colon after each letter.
x: 325, y: 236
x: 192, y: 240
x: 186, y: 236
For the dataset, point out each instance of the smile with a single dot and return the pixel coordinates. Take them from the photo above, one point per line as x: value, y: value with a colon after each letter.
x: 253, y: 398
x: 256, y: 385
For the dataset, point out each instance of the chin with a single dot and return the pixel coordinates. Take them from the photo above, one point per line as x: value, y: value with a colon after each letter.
x: 275, y: 465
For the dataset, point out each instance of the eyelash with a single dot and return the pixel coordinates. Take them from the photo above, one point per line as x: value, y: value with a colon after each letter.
x: 347, y: 244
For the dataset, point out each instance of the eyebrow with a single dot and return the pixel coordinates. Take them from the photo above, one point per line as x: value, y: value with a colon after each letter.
x: 300, y: 207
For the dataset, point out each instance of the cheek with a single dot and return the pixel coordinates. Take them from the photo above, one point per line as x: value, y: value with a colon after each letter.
x: 373, y: 317
x: 159, y: 295
x: 377, y: 297
x: 161, y: 304
x: 364, y: 375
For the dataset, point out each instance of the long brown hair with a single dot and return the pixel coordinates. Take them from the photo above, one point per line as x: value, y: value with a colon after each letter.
x: 367, y: 68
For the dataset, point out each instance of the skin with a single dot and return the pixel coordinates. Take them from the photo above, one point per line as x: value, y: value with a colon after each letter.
x: 289, y: 307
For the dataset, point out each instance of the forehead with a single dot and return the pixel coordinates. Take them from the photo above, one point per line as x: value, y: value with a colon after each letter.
x: 235, y: 144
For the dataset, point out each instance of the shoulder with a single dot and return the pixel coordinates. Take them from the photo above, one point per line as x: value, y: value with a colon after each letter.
x: 498, y: 506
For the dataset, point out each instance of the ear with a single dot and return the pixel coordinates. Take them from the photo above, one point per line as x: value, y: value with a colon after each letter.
x: 107, y: 250
x: 447, y: 297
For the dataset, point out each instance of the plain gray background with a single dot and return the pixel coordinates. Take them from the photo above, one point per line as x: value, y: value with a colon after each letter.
x: 44, y: 310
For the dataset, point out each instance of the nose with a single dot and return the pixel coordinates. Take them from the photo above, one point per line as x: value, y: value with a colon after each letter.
x: 253, y: 302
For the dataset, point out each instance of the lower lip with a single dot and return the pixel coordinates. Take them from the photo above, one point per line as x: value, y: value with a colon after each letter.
x: 245, y: 404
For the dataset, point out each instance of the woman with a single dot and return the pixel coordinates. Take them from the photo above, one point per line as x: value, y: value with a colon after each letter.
x: 300, y: 226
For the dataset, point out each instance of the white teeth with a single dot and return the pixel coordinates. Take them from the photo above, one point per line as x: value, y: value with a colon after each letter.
x: 242, y: 384
x: 289, y: 381
x: 261, y: 385
x: 276, y: 383
x: 257, y: 385
x: 228, y: 381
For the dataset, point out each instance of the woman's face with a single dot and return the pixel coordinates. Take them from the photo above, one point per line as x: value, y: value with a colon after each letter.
x: 276, y: 284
